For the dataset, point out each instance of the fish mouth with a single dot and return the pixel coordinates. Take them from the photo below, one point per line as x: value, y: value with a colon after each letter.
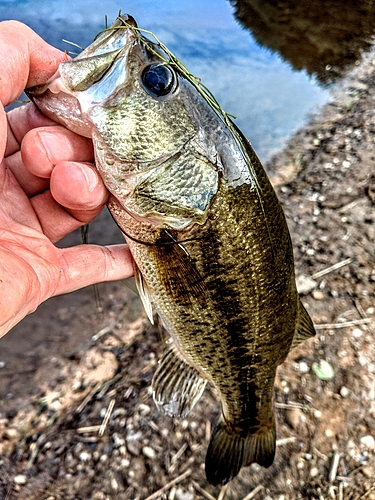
x: 91, y: 78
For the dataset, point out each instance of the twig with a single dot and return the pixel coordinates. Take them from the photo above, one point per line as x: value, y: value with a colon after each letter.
x: 283, y: 442
x: 175, y: 457
x: 329, y: 269
x: 345, y: 324
x: 365, y: 494
x: 202, y: 491
x: 89, y: 429
x: 341, y: 490
x: 335, y: 464
x: 254, y: 492
x: 222, y: 492
x: 320, y: 454
x: 166, y: 487
x: 88, y: 398
x: 290, y: 405
x: 106, y: 417
x: 319, y: 490
x: 101, y: 332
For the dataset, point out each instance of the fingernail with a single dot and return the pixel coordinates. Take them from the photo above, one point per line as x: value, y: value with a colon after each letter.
x: 52, y: 144
x: 90, y: 176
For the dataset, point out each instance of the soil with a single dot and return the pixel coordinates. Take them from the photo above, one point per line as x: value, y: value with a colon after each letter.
x: 77, y: 416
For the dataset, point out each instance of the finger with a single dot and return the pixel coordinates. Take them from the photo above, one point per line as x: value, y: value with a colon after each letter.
x: 44, y: 147
x: 85, y: 265
x: 75, y: 186
x: 25, y: 60
x: 30, y: 183
x: 20, y: 121
x: 79, y: 188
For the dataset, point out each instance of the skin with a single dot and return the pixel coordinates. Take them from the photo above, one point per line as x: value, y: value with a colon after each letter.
x: 48, y: 188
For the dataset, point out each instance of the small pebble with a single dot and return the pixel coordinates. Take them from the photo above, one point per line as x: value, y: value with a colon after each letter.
x: 292, y: 417
x: 20, y: 479
x: 85, y: 456
x: 314, y: 472
x: 114, y: 484
x: 149, y: 452
x: 144, y: 409
x: 329, y: 433
x: 318, y: 295
x: 302, y: 367
x: 357, y: 332
x: 344, y: 392
x: 305, y: 284
x: 317, y: 414
x: 368, y: 442
x: 183, y: 495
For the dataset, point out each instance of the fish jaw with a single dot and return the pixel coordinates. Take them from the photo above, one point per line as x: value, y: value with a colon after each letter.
x: 89, y: 80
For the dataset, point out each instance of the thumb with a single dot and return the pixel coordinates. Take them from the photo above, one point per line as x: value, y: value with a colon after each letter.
x: 85, y: 265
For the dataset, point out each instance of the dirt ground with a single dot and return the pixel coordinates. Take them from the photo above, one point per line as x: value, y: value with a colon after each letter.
x: 77, y: 418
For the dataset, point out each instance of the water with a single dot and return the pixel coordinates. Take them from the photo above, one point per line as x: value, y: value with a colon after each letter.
x: 268, y: 97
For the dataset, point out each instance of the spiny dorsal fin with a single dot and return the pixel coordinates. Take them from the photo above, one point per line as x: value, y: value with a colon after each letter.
x: 143, y: 292
x: 304, y: 329
x: 229, y: 450
x: 177, y: 386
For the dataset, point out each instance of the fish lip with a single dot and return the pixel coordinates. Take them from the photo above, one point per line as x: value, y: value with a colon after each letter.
x: 122, y: 20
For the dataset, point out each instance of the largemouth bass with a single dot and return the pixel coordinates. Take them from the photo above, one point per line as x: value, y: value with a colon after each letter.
x: 209, y: 238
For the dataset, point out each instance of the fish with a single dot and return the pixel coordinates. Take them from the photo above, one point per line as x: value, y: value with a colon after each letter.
x: 211, y: 247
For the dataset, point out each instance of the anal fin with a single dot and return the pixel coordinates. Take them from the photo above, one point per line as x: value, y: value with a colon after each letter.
x: 230, y: 450
x: 304, y: 329
x: 177, y: 386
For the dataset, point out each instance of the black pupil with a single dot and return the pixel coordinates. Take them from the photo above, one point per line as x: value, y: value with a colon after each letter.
x: 158, y: 79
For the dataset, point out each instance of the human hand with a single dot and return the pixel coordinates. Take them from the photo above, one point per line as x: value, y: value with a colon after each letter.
x: 48, y: 188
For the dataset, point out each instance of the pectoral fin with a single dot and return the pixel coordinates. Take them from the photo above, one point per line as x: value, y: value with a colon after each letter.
x: 143, y: 292
x: 304, y: 329
x: 180, y: 277
x: 177, y: 386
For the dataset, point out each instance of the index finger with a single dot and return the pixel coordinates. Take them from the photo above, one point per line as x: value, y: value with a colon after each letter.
x: 25, y: 60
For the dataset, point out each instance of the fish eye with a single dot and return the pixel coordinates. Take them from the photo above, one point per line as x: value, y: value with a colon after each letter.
x: 158, y: 79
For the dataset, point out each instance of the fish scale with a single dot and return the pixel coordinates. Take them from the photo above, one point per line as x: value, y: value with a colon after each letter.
x: 211, y: 248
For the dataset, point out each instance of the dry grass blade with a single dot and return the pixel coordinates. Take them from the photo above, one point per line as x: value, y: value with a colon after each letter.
x: 345, y: 324
x: 176, y: 457
x: 366, y: 494
x: 166, y: 487
x: 222, y: 492
x: 89, y: 429
x: 106, y: 417
x: 202, y: 491
x: 88, y: 398
x: 335, y: 464
x: 330, y: 269
x: 283, y: 442
x: 254, y: 492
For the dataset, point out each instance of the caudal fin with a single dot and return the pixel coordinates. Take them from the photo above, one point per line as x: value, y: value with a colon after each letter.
x: 228, y: 451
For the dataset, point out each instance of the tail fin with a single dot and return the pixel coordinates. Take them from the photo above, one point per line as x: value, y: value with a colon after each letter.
x: 228, y: 451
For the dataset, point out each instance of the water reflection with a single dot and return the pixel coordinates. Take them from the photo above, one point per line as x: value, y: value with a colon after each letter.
x: 269, y: 99
x: 325, y: 37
